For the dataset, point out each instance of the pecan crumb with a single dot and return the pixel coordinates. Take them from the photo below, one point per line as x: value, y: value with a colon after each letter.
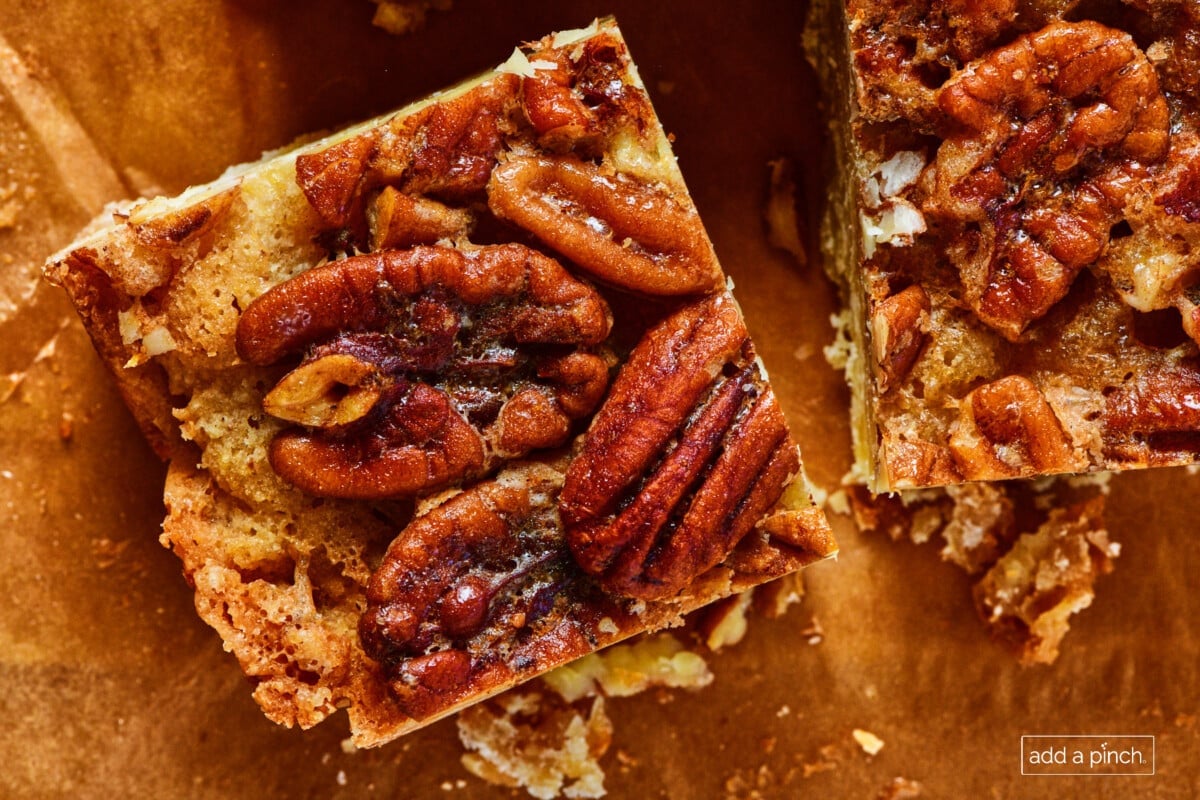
x: 900, y: 788
x: 869, y: 742
x: 623, y: 670
x: 536, y: 741
x: 784, y: 225
x: 1035, y: 548
x: 399, y: 17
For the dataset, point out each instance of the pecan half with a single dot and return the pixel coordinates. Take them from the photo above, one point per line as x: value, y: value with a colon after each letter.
x: 1156, y: 412
x: 425, y: 367
x: 445, y: 151
x: 479, y: 578
x: 898, y: 327
x: 398, y: 220
x: 587, y: 96
x: 1017, y: 175
x: 1005, y: 429
x: 618, y: 228
x: 915, y: 463
x: 687, y: 454
x: 335, y: 389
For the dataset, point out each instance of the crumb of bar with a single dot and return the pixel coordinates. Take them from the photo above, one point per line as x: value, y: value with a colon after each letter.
x: 658, y: 660
x: 1034, y: 548
x: 772, y: 600
x: 900, y: 788
x: 536, y: 741
x: 869, y: 742
x: 724, y: 622
x: 751, y: 783
x: 814, y: 632
x: 402, y: 375
x: 1030, y: 592
x: 1015, y: 234
x: 11, y: 203
x: 784, y: 227
x: 399, y: 17
x: 827, y: 759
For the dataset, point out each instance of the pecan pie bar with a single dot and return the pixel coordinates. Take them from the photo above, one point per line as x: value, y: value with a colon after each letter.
x: 451, y: 397
x: 1016, y: 229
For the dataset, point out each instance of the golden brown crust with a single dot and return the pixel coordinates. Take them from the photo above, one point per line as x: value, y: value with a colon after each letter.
x: 1022, y: 174
x: 313, y: 392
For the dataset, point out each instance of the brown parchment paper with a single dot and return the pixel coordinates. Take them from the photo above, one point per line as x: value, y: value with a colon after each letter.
x: 111, y: 687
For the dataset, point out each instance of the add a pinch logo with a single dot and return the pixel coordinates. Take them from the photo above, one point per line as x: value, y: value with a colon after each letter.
x: 1074, y: 754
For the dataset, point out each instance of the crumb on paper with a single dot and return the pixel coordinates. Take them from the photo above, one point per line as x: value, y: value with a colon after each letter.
x: 784, y: 710
x: 772, y: 600
x: 804, y: 351
x: 10, y: 205
x: 107, y: 551
x: 626, y: 669
x: 723, y: 623
x: 1034, y: 548
x: 839, y: 503
x: 784, y: 229
x: 399, y: 17
x: 536, y: 741
x: 900, y: 788
x: 813, y: 633
x: 826, y: 761
x: 66, y: 426
x: 869, y: 742
x: 750, y: 783
x: 1030, y: 593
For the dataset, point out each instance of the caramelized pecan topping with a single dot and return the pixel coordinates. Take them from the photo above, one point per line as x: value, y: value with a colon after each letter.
x: 1016, y: 176
x: 472, y: 584
x: 618, y: 228
x: 689, y: 452
x: 425, y: 367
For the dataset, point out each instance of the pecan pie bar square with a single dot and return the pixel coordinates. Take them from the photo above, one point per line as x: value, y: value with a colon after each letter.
x: 1016, y: 232
x: 451, y: 397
